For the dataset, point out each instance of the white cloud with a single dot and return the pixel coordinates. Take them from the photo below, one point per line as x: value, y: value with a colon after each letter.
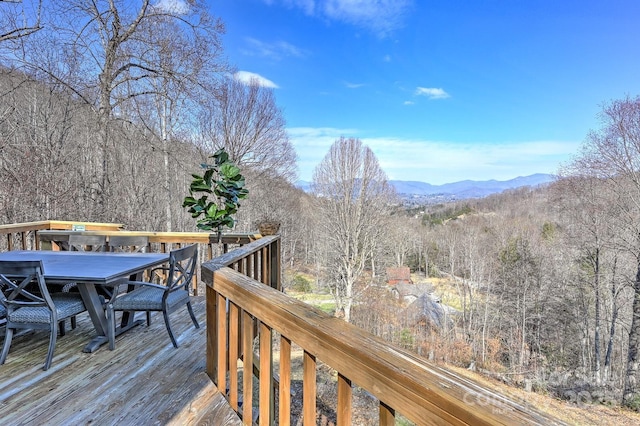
x: 252, y: 78
x: 353, y: 85
x: 379, y: 16
x: 432, y: 92
x: 276, y: 50
x: 408, y: 103
x: 438, y: 162
x: 178, y: 7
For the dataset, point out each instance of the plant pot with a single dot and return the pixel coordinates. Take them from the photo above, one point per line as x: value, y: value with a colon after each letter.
x: 268, y: 228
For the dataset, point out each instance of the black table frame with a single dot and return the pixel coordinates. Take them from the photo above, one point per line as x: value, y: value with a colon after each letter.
x: 88, y: 270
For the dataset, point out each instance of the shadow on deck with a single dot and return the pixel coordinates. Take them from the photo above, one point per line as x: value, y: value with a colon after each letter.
x: 145, y: 380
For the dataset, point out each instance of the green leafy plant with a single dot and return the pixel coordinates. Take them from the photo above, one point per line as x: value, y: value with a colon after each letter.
x: 301, y: 284
x: 221, y: 188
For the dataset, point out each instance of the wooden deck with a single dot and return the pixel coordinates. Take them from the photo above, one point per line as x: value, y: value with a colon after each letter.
x: 145, y: 380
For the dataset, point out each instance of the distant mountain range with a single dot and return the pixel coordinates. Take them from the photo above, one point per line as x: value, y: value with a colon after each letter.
x: 460, y: 190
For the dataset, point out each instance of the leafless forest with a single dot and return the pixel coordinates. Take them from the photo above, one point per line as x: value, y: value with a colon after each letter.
x: 103, y: 118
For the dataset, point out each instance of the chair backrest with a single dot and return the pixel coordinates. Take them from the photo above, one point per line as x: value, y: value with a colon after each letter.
x: 16, y: 279
x: 87, y: 242
x: 182, y: 265
x: 128, y: 243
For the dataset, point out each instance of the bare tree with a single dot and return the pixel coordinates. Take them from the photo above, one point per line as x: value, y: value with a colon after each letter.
x: 19, y: 20
x: 189, y: 67
x: 588, y: 205
x: 111, y: 61
x: 245, y: 120
x: 353, y: 196
x: 612, y: 154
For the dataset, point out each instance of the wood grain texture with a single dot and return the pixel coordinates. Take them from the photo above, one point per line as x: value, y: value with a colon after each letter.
x: 266, y: 351
x: 247, y: 366
x: 234, y: 336
x: 284, y: 390
x: 144, y: 381
x: 344, y: 401
x: 309, y: 366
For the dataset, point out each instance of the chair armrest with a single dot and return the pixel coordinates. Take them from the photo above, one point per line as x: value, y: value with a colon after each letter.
x: 159, y: 273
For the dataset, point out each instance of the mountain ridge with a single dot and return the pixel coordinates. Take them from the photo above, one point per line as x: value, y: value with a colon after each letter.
x: 461, y: 189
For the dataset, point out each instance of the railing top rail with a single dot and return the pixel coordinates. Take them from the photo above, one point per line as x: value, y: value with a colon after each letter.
x: 239, y: 253
x: 55, y: 224
x: 414, y: 388
x: 155, y: 237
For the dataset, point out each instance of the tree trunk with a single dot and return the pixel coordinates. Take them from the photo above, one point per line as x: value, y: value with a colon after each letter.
x: 630, y: 383
x: 165, y: 154
x: 596, y: 335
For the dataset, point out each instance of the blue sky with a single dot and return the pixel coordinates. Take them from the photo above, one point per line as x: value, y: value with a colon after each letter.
x: 441, y: 91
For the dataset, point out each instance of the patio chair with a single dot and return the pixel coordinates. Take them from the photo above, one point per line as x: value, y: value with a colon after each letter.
x: 87, y: 242
x: 129, y: 243
x: 91, y: 243
x: 150, y: 297
x: 33, y: 309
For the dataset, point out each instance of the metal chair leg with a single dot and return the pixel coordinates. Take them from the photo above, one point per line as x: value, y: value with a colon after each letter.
x: 53, y: 335
x: 7, y: 343
x: 193, y: 317
x: 166, y: 321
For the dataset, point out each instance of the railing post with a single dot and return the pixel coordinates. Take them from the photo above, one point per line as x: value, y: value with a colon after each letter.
x: 308, y: 389
x: 266, y: 376
x: 247, y: 369
x: 212, y: 337
x: 234, y: 339
x: 222, y: 326
x: 275, y: 280
x: 284, y: 390
x: 344, y: 401
x: 387, y: 415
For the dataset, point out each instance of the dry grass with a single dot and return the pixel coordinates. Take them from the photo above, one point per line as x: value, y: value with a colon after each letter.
x: 571, y: 413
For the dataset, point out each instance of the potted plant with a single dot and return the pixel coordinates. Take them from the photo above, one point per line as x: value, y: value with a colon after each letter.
x: 223, y: 182
x: 268, y: 226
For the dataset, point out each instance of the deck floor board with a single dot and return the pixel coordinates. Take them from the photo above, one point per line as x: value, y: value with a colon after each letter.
x: 145, y: 380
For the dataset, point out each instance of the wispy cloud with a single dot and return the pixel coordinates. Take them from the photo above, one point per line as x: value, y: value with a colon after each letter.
x: 252, y: 78
x: 432, y: 92
x: 178, y: 7
x: 438, y: 162
x: 380, y: 16
x: 308, y: 6
x: 353, y: 85
x: 276, y: 50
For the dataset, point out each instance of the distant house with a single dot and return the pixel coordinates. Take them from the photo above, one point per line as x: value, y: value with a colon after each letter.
x: 399, y: 275
x: 408, y: 293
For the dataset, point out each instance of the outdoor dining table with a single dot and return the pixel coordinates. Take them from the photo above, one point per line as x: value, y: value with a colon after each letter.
x: 88, y: 270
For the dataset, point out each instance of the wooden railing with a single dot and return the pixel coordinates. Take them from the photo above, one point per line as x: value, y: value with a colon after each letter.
x: 53, y: 235
x: 23, y: 236
x: 159, y: 241
x: 240, y: 308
